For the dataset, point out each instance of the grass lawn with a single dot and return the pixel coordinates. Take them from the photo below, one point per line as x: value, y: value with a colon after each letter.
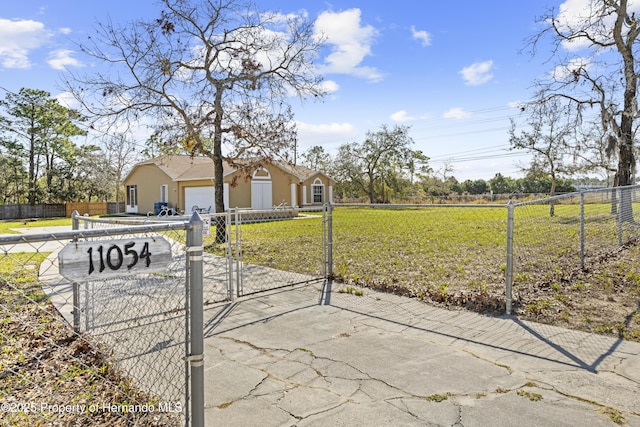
x: 6, y: 226
x: 457, y: 256
x: 414, y: 251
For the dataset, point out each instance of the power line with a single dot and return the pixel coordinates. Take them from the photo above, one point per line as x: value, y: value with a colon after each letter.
x: 484, y: 153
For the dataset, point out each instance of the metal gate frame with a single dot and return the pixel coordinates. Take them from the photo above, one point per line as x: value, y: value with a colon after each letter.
x: 237, y: 268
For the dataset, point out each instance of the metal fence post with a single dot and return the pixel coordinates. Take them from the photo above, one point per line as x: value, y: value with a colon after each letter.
x: 509, y: 284
x: 239, y: 284
x: 330, y: 240
x: 621, y: 204
x: 324, y: 241
x: 231, y: 294
x: 582, y: 230
x: 75, y: 225
x: 196, y: 324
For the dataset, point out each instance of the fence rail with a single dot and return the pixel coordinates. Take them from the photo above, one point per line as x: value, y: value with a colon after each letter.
x: 433, y: 252
x: 555, y: 238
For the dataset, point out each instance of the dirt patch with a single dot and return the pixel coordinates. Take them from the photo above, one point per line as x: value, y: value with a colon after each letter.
x: 604, y: 299
x: 52, y: 376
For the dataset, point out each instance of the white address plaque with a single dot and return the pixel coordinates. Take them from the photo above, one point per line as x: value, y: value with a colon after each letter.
x: 99, y: 259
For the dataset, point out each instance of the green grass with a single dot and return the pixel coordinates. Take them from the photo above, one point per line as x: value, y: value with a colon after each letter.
x: 291, y: 245
x: 448, y: 254
x: 6, y: 226
x: 410, y: 248
x: 418, y: 247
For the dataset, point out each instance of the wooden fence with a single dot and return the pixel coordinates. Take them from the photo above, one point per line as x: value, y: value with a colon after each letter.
x: 57, y: 210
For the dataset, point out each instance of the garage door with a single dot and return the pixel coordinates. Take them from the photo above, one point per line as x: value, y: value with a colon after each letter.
x: 203, y: 197
x: 261, y: 197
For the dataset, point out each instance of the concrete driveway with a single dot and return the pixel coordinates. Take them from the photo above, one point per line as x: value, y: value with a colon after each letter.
x: 315, y: 356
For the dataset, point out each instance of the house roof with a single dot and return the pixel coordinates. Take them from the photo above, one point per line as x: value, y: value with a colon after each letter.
x: 185, y: 168
x: 301, y: 172
x: 188, y: 168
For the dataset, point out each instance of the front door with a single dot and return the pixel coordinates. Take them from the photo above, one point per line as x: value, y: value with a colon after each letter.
x: 132, y: 199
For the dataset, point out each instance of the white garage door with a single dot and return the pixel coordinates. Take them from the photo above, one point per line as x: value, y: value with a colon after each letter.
x: 261, y: 195
x: 202, y: 197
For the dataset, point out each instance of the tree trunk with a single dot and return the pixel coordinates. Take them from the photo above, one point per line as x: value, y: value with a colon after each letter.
x: 118, y: 179
x: 625, y: 165
x: 218, y: 174
x: 371, y: 195
x: 32, y: 172
x: 614, y: 196
x: 626, y: 160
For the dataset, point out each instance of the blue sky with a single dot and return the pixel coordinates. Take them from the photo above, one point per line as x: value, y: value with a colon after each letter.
x: 451, y: 71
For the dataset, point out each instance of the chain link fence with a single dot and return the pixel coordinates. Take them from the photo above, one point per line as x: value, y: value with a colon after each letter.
x: 474, y: 255
x: 112, y: 351
x: 127, y: 349
x: 446, y: 253
x: 555, y: 239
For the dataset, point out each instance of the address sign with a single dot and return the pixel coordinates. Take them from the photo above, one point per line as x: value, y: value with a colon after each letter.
x: 99, y: 259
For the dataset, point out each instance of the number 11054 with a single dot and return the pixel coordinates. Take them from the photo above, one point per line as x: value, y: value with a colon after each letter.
x: 114, y: 257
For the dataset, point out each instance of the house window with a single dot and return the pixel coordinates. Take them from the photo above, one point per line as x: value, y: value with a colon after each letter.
x: 317, y: 191
x: 132, y: 195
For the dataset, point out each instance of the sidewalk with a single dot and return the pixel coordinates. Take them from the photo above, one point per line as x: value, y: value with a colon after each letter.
x: 308, y: 357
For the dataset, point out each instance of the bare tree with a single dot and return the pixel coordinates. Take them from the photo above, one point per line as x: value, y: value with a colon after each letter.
x: 595, y: 50
x: 214, y: 75
x: 550, y: 134
x: 120, y: 155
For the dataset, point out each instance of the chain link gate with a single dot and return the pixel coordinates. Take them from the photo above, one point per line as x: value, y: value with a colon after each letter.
x: 127, y: 352
x: 261, y: 249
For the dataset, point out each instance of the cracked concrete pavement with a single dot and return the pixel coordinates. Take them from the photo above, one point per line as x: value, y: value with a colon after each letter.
x: 316, y: 356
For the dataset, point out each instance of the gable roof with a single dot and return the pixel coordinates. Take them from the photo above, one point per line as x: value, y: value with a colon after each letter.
x: 301, y: 172
x: 188, y: 168
x: 184, y: 168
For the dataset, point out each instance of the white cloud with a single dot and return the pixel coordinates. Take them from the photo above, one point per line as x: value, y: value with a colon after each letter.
x: 61, y: 59
x: 456, y: 113
x: 64, y: 30
x: 349, y: 42
x: 325, y: 134
x: 421, y: 35
x: 329, y: 86
x: 566, y: 71
x: 68, y: 100
x: 19, y: 38
x: 477, y: 73
x: 402, y: 116
x: 575, y: 14
x: 516, y: 104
